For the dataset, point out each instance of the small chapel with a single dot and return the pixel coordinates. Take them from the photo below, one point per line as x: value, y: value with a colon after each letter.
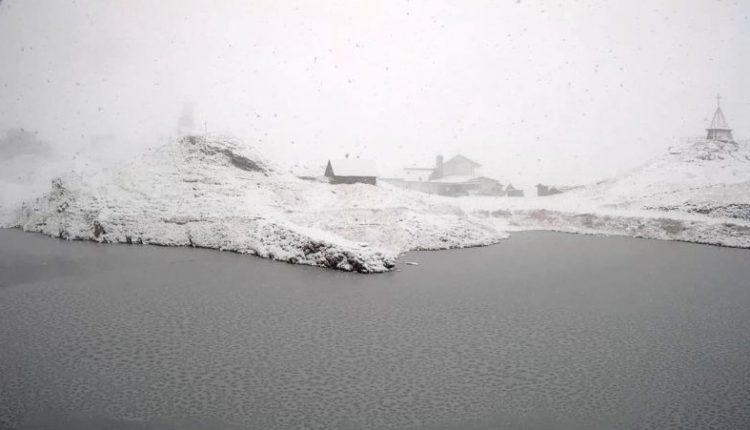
x: 719, y: 129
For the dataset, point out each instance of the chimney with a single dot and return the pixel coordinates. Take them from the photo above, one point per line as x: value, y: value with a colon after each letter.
x: 438, y: 172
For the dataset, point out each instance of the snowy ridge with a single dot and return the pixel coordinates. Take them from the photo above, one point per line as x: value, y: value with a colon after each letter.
x: 711, y: 173
x: 700, y: 193
x: 215, y: 192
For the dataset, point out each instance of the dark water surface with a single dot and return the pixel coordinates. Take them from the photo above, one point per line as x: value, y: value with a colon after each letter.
x: 544, y: 330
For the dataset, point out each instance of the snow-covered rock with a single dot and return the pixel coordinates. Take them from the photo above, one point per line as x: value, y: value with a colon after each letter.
x: 216, y: 192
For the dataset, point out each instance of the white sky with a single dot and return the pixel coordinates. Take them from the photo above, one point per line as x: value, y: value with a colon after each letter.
x: 559, y: 91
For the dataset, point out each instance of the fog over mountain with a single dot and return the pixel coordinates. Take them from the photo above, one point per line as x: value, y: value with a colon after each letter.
x: 556, y: 91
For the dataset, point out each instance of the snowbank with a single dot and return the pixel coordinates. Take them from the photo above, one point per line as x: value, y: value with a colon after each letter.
x: 218, y: 193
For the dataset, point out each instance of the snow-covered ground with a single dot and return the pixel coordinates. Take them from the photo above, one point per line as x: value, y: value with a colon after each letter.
x: 697, y: 193
x: 216, y: 192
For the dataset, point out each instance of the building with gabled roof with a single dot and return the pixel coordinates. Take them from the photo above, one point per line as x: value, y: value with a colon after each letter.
x: 512, y: 191
x: 457, y: 166
x: 719, y: 129
x: 458, y: 176
x: 351, y: 171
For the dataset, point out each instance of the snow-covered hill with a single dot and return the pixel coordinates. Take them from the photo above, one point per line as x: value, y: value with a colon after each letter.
x: 706, y: 177
x: 216, y: 192
x: 699, y: 193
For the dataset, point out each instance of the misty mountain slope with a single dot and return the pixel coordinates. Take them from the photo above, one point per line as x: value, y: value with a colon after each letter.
x: 20, y: 179
x: 21, y: 152
x: 700, y: 193
x: 705, y: 177
x: 219, y: 193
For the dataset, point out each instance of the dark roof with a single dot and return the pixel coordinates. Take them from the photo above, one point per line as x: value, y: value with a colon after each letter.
x: 352, y: 167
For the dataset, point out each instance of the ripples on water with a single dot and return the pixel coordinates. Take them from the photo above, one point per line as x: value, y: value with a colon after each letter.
x: 542, y: 331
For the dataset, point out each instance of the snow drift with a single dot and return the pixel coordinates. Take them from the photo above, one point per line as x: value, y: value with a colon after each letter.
x: 216, y: 192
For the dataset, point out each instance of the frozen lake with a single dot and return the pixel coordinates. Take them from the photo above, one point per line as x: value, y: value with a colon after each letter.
x: 544, y: 330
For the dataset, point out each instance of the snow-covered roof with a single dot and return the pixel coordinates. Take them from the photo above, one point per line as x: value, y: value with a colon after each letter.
x: 461, y: 157
x: 354, y: 167
x: 719, y: 122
